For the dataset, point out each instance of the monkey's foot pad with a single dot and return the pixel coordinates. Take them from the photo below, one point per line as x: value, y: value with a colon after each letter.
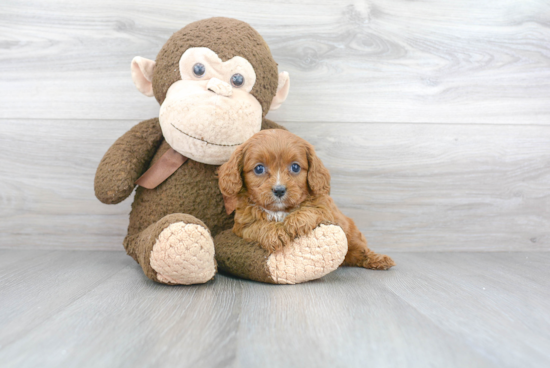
x: 184, y: 254
x: 309, y: 257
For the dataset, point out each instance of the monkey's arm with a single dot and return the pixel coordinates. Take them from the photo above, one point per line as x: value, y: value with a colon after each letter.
x: 126, y: 161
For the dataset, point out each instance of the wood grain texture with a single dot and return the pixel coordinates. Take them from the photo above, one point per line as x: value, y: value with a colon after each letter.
x: 36, y: 285
x: 46, y: 185
x: 440, y: 187
x: 433, y: 309
x: 125, y: 321
x: 408, y: 186
x: 500, y: 301
x: 350, y: 61
x: 346, y: 319
x: 366, y: 77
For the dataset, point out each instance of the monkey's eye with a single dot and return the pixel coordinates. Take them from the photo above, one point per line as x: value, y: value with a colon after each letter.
x: 198, y: 70
x: 295, y: 168
x: 237, y: 80
x: 259, y: 169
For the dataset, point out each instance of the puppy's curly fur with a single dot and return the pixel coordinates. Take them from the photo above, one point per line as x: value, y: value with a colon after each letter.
x: 275, y: 162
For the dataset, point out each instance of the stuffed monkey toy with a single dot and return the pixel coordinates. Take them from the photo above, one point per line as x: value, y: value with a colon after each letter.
x: 215, y: 81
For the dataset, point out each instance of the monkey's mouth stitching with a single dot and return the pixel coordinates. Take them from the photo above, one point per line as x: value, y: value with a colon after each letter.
x: 202, y: 140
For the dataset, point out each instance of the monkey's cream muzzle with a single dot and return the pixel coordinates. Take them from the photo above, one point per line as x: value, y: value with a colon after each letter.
x: 204, y: 117
x: 207, y: 120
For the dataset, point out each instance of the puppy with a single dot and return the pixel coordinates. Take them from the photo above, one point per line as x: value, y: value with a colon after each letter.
x: 285, y: 195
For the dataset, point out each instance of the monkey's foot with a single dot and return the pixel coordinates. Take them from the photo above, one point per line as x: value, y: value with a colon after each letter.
x: 306, y: 258
x: 183, y: 254
x: 309, y: 257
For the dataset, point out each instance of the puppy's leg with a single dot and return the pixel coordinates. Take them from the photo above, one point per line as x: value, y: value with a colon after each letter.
x: 306, y: 219
x: 359, y: 254
x: 270, y: 235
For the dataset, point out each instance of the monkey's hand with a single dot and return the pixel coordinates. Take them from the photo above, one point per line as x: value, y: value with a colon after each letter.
x: 126, y: 161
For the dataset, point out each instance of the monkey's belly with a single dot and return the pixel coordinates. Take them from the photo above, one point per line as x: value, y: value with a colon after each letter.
x: 192, y: 189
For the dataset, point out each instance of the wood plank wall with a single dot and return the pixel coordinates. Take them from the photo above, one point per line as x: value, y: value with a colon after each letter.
x: 433, y: 116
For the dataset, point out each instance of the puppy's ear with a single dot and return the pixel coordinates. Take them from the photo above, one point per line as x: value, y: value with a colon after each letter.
x: 229, y: 174
x: 318, y: 176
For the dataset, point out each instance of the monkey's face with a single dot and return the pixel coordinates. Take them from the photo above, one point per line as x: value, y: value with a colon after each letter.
x: 210, y: 111
x: 210, y: 101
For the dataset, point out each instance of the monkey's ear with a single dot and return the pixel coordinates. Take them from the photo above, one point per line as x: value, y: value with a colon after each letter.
x: 142, y: 75
x: 282, y: 91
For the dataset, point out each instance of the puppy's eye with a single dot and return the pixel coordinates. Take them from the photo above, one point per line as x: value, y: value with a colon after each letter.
x: 237, y: 80
x: 199, y: 69
x: 259, y: 169
x: 295, y: 168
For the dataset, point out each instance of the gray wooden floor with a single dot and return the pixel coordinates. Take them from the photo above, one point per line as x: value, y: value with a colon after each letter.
x: 96, y: 309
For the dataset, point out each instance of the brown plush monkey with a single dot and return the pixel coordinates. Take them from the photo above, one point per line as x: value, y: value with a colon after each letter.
x: 215, y: 81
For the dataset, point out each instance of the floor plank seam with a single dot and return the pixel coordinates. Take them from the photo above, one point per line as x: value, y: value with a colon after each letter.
x: 95, y: 286
x: 302, y: 122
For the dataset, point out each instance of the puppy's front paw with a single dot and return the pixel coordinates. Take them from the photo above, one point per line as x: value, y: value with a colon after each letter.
x: 275, y: 240
x: 297, y: 225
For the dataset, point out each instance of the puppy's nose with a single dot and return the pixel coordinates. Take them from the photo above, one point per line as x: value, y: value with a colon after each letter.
x: 279, y: 190
x: 220, y: 87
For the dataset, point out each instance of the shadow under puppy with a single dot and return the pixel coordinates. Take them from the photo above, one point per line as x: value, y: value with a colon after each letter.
x: 282, y: 190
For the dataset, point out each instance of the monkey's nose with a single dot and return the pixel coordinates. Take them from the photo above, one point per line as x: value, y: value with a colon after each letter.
x: 279, y: 190
x: 220, y: 87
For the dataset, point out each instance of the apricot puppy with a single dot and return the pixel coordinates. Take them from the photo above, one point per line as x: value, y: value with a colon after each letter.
x: 285, y: 194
